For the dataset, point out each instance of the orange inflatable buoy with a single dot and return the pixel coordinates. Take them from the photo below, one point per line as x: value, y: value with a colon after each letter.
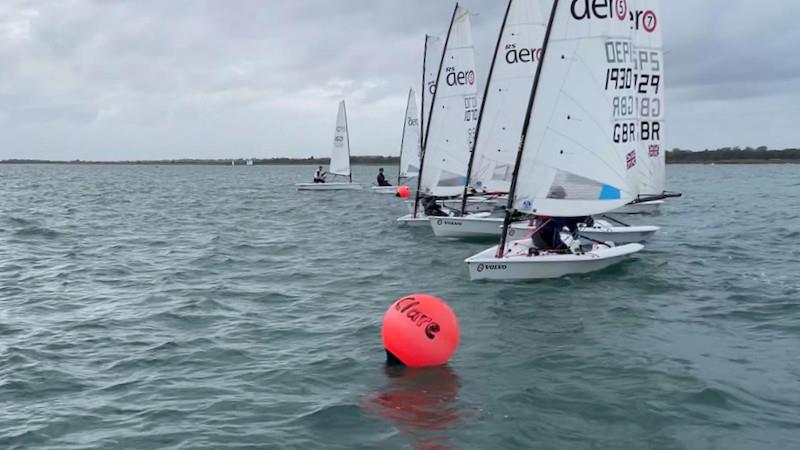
x: 403, y: 192
x: 420, y: 331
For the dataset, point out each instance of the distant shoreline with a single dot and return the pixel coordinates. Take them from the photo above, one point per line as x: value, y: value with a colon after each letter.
x: 734, y: 162
x: 355, y: 160
x: 355, y: 163
x: 726, y: 156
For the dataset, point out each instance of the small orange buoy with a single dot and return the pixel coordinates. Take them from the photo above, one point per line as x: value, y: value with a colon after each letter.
x: 403, y: 192
x: 420, y: 331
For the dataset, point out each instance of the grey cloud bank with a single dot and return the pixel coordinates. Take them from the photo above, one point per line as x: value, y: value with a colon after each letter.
x: 112, y: 80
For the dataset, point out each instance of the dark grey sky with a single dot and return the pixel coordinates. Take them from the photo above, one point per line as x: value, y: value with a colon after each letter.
x: 147, y: 79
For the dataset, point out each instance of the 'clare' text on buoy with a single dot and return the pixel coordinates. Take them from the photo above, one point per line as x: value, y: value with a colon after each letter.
x: 420, y: 330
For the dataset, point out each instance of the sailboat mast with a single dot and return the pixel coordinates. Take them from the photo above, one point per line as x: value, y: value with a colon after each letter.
x: 403, y: 138
x: 422, y: 92
x: 433, y: 102
x: 523, y: 137
x: 480, y: 114
x: 347, y: 132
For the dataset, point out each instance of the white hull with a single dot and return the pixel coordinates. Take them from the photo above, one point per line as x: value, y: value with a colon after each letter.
x: 385, y: 190
x: 620, y: 235
x: 410, y: 221
x: 651, y: 207
x: 519, y: 266
x: 475, y: 226
x: 328, y: 186
x: 474, y: 204
x: 602, y: 231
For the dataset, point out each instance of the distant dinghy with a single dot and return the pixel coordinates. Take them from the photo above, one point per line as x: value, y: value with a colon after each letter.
x: 340, y: 159
x: 410, y: 147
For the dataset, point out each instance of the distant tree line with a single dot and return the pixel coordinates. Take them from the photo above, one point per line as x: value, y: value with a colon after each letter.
x: 734, y: 155
x: 725, y: 155
x: 364, y: 160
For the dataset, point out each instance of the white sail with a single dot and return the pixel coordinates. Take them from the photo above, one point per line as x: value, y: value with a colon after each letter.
x: 507, y: 94
x: 340, y: 155
x: 431, y: 60
x: 410, y: 147
x: 649, y: 79
x: 454, y: 114
x: 579, y: 156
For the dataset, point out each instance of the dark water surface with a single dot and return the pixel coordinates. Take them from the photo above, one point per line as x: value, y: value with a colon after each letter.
x: 216, y: 307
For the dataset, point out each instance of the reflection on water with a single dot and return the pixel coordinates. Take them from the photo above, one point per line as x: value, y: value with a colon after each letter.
x: 421, y: 402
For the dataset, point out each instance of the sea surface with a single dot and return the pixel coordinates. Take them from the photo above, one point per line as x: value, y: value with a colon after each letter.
x: 194, y: 307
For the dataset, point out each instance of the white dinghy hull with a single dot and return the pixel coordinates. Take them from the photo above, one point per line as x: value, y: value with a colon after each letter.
x: 620, y: 235
x: 651, y: 207
x: 385, y: 190
x: 416, y: 222
x: 474, y: 226
x: 486, y: 266
x: 328, y: 186
x: 474, y: 204
x: 602, y: 231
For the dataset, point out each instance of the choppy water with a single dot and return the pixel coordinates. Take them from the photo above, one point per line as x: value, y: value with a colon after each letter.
x: 216, y: 307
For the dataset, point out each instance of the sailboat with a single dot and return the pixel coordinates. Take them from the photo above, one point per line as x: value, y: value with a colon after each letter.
x: 340, y: 159
x: 431, y: 60
x: 577, y: 155
x: 500, y: 121
x: 410, y: 147
x: 649, y: 43
x: 451, y: 124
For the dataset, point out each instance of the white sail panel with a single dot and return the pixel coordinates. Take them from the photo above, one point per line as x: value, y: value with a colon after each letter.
x: 507, y: 95
x: 434, y: 46
x: 410, y: 148
x: 340, y: 155
x: 454, y: 115
x: 580, y: 153
x: 650, y: 99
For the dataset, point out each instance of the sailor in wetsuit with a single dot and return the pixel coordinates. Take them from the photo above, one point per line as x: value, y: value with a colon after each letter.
x: 319, y: 175
x: 382, y: 179
x: 549, y: 235
x: 432, y: 208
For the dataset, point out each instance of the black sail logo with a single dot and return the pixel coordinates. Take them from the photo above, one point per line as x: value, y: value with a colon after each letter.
x: 614, y: 9
x: 460, y: 78
x: 522, y: 55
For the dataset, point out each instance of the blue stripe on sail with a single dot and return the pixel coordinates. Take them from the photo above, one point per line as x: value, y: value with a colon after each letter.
x: 610, y: 193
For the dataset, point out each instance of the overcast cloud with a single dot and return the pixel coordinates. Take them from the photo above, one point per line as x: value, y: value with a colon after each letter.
x: 154, y: 79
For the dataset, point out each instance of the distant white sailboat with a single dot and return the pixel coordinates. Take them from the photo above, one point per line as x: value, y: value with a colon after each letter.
x: 340, y: 159
x: 431, y: 61
x: 575, y: 157
x: 410, y: 147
